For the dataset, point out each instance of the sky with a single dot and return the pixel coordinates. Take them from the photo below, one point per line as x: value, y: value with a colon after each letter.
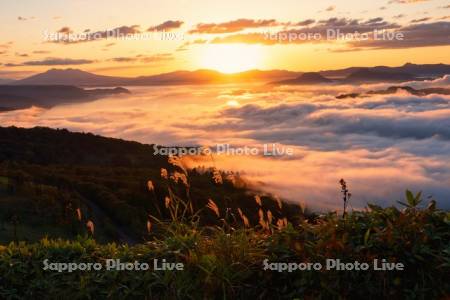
x: 228, y: 36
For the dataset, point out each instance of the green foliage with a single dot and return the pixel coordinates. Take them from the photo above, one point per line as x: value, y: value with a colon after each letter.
x: 228, y: 265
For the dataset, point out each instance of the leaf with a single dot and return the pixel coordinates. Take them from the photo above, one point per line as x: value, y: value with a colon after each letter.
x: 410, y: 198
x: 403, y: 203
x: 374, y: 207
x: 366, y: 236
x: 418, y: 199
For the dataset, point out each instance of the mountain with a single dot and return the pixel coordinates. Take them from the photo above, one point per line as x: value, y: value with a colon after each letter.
x: 259, y: 75
x: 395, y: 89
x: 6, y: 81
x: 354, y: 74
x: 369, y: 75
x: 81, y: 78
x: 71, y: 77
x: 412, y: 91
x: 46, y: 174
x: 19, y: 97
x: 429, y: 70
x: 180, y: 77
x: 306, y: 78
x: 425, y: 70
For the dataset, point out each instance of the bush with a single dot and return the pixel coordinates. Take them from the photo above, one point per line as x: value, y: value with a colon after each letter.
x: 222, y: 263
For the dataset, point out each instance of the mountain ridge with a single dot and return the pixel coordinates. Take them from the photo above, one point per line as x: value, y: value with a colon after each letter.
x: 307, y: 78
x: 79, y: 77
x: 13, y: 97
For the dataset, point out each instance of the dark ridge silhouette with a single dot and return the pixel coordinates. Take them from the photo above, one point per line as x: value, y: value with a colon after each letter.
x: 24, y: 96
x: 6, y: 81
x: 422, y: 70
x: 395, y: 89
x: 81, y: 78
x: 107, y: 178
x: 306, y: 78
x: 355, y: 74
x: 368, y: 75
x: 70, y: 77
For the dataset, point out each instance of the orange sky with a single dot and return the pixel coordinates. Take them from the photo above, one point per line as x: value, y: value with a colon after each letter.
x: 228, y: 36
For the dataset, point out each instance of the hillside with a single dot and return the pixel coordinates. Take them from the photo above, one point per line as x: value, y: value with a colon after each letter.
x: 419, y: 70
x: 306, y: 78
x: 6, y: 81
x: 395, y: 89
x: 368, y: 75
x: 19, y: 97
x: 52, y: 173
x: 71, y: 77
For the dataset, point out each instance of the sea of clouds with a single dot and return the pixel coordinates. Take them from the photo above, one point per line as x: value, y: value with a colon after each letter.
x: 381, y: 144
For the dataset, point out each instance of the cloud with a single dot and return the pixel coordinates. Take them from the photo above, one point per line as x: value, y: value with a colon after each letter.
x: 415, y: 35
x: 20, y: 18
x: 394, y: 141
x: 407, y: 1
x: 157, y: 57
x: 330, y: 8
x: 65, y: 30
x: 166, y: 26
x: 232, y: 26
x: 16, y: 74
x: 305, y: 22
x: 408, y: 36
x: 443, y: 81
x: 320, y: 29
x: 144, y: 58
x: 329, y: 124
x: 185, y: 45
x: 420, y: 20
x: 53, y: 62
x: 89, y: 36
x: 41, y: 52
x: 123, y: 59
x: 6, y: 45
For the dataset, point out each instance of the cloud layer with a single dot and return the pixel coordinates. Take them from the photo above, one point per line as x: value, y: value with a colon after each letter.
x: 380, y: 144
x: 53, y: 62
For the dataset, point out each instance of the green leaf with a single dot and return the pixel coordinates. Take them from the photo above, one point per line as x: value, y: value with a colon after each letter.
x: 366, y: 236
x: 374, y: 207
x: 403, y: 203
x: 418, y: 199
x: 410, y: 197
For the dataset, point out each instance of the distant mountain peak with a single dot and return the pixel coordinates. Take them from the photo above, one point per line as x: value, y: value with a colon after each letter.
x: 77, y: 77
x: 366, y: 74
x: 306, y: 78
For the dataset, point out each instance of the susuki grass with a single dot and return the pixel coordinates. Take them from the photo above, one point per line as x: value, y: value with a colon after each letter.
x: 223, y: 259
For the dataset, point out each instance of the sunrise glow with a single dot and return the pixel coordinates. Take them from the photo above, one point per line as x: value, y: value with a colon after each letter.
x: 231, y: 58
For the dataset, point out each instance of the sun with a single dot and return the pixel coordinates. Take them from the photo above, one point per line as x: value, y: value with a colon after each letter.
x: 231, y: 58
